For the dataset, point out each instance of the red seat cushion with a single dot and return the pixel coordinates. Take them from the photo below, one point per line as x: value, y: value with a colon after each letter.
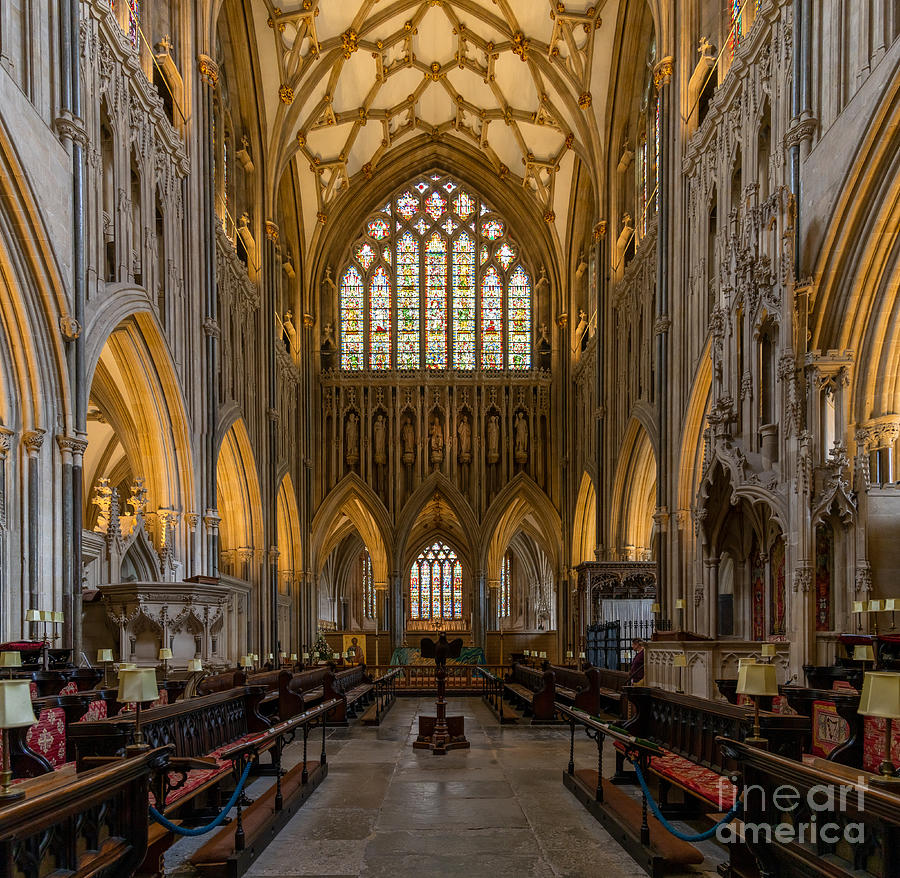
x: 705, y: 782
x: 96, y: 710
x: 69, y: 689
x: 217, y: 753
x: 48, y: 736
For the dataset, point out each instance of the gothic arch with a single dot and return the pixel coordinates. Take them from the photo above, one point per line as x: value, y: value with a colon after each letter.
x: 692, y: 429
x: 239, y: 495
x: 290, y: 558
x: 352, y: 504
x: 634, y: 492
x: 519, y: 502
x: 584, y: 529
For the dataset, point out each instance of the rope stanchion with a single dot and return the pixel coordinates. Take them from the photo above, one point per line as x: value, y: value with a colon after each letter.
x: 657, y: 813
x: 202, y: 830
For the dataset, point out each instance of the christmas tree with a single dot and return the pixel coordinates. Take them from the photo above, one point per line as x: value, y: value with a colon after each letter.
x: 321, y: 651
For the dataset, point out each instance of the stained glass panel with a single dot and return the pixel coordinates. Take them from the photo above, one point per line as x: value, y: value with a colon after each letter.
x: 464, y: 205
x: 368, y: 586
x: 407, y: 205
x: 504, y: 587
x: 484, y: 255
x: 449, y: 225
x: 364, y: 255
x: 378, y: 229
x: 435, y: 205
x: 414, y: 591
x: 505, y: 255
x: 380, y: 320
x: 457, y: 590
x: 436, y: 303
x: 519, y: 307
x: 492, y: 229
x: 436, y: 590
x: 464, y: 303
x: 420, y: 226
x: 449, y: 187
x: 407, y: 302
x: 735, y: 25
x: 352, y: 320
x: 435, y: 584
x: 491, y: 320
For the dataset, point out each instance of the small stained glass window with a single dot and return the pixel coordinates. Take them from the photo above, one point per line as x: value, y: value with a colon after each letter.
x: 378, y: 229
x: 407, y: 205
x: 492, y: 229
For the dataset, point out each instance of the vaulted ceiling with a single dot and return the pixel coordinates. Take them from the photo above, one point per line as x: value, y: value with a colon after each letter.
x: 346, y: 82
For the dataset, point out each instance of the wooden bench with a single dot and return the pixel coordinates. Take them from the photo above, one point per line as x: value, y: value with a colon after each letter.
x: 270, y: 681
x: 384, y: 695
x: 353, y: 688
x: 96, y: 822
x: 533, y: 691
x: 221, y: 682
x: 872, y: 803
x: 299, y: 692
x: 836, y: 727
x: 229, y: 852
x: 594, y: 690
x: 686, y: 727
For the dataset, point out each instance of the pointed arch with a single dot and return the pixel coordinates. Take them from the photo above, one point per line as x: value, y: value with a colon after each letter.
x: 634, y: 493
x: 692, y: 442
x: 584, y: 527
x: 352, y: 504
x: 239, y: 495
x: 290, y: 555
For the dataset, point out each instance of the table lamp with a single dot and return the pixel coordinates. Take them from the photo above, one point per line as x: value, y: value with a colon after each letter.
x: 305, y: 658
x: 680, y: 606
x: 767, y: 650
x: 526, y: 653
x: 247, y: 661
x: 138, y: 685
x: 569, y: 654
x: 655, y: 608
x: 336, y: 656
x: 863, y: 652
x: 164, y: 655
x: 15, y: 713
x: 875, y: 608
x: 757, y: 681
x: 581, y: 655
x: 33, y: 616
x: 105, y: 657
x: 680, y: 662
x: 195, y: 665
x: 294, y: 657
x: 890, y: 606
x: 10, y: 660
x: 881, y: 698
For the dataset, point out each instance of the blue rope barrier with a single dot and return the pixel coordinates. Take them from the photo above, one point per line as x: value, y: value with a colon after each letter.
x: 654, y: 807
x: 202, y: 830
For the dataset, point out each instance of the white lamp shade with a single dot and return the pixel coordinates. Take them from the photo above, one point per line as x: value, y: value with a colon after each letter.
x: 104, y: 655
x: 15, y: 704
x: 255, y: 656
x: 768, y: 650
x: 247, y: 660
x: 679, y: 604
x: 293, y: 656
x: 10, y: 659
x: 58, y: 617
x: 138, y: 684
x: 165, y: 653
x: 543, y: 655
x: 859, y: 607
x: 655, y: 608
x: 880, y: 695
x: 757, y: 679
x: 569, y: 654
x: 335, y: 655
x: 581, y: 655
x: 271, y: 656
x: 863, y: 652
x: 46, y: 615
x: 33, y: 616
x: 195, y: 665
x: 875, y: 606
x: 526, y: 652
x: 890, y: 605
x: 680, y: 660
x: 305, y: 656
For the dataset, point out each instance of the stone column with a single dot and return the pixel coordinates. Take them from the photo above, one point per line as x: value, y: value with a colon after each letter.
x: 33, y: 441
x: 71, y: 449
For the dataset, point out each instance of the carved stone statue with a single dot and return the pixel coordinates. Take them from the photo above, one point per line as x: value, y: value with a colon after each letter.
x: 290, y: 331
x: 379, y: 431
x: 581, y: 330
x: 464, y: 433
x: 521, y: 449
x: 351, y: 439
x: 493, y: 439
x: 437, y: 441
x: 408, y: 440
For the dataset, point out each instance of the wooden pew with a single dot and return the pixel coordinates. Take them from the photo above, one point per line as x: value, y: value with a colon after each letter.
x: 836, y: 725
x: 352, y: 687
x: 221, y: 682
x: 687, y: 728
x: 95, y: 822
x: 270, y: 680
x: 384, y: 695
x: 595, y: 690
x: 301, y: 691
x: 873, y: 804
x: 534, y: 691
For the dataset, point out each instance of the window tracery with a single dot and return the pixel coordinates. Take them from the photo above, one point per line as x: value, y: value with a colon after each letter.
x: 435, y: 584
x: 412, y: 297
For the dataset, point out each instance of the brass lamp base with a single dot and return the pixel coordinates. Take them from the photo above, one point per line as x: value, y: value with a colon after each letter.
x: 7, y: 792
x: 757, y: 741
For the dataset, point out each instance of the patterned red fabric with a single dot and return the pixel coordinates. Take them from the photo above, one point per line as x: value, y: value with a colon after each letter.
x: 160, y: 702
x: 48, y: 736
x: 873, y: 743
x: 96, y: 710
x: 69, y: 689
x: 217, y: 753
x: 196, y: 777
x: 33, y: 689
x: 705, y: 782
x: 828, y: 729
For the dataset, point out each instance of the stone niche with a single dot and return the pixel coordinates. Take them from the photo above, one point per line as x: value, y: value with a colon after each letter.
x: 195, y: 620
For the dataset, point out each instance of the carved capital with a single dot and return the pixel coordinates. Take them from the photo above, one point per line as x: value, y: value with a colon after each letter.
x: 211, y: 327
x: 271, y: 230
x: 70, y: 127
x: 6, y: 436
x: 662, y: 73
x: 34, y: 441
x: 209, y: 70
x: 663, y: 324
x: 69, y: 327
x: 599, y: 231
x: 72, y: 448
x: 801, y: 129
x: 803, y: 578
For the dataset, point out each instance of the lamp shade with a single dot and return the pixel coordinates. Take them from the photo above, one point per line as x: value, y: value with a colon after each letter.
x: 680, y: 660
x: 195, y: 665
x: 859, y: 607
x: 679, y: 604
x: 33, y: 616
x: 255, y: 656
x: 863, y: 652
x: 745, y: 660
x: 127, y: 666
x: 293, y: 656
x: 271, y: 656
x: 890, y: 605
x: 569, y: 653
x: 880, y: 695
x: 46, y: 615
x: 104, y: 655
x: 59, y: 617
x: 581, y: 655
x: 165, y: 653
x: 247, y: 660
x: 656, y: 609
x: 875, y: 606
x: 15, y: 704
x: 526, y: 652
x: 305, y: 656
x: 543, y: 655
x: 138, y: 684
x: 768, y: 650
x: 10, y: 659
x: 335, y: 655
x: 757, y: 679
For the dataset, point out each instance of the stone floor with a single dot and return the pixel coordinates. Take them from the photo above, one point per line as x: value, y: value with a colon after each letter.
x: 498, y: 809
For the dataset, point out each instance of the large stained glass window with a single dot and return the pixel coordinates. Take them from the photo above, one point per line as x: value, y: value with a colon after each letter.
x: 435, y: 584
x: 435, y: 282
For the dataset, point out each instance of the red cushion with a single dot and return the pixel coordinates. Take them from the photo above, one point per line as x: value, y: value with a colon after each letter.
x: 96, y: 710
x: 48, y: 736
x: 33, y: 689
x: 873, y: 743
x: 196, y: 777
x: 705, y: 782
x: 216, y: 754
x: 69, y: 689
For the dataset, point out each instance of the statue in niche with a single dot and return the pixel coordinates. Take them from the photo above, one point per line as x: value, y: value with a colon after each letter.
x: 327, y: 348
x: 437, y: 441
x: 581, y: 330
x: 543, y: 347
x: 521, y: 447
x: 351, y: 439
x: 464, y: 434
x: 493, y: 438
x: 290, y: 332
x: 379, y: 432
x: 408, y: 441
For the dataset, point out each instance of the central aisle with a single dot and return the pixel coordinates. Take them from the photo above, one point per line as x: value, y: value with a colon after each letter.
x: 498, y: 809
